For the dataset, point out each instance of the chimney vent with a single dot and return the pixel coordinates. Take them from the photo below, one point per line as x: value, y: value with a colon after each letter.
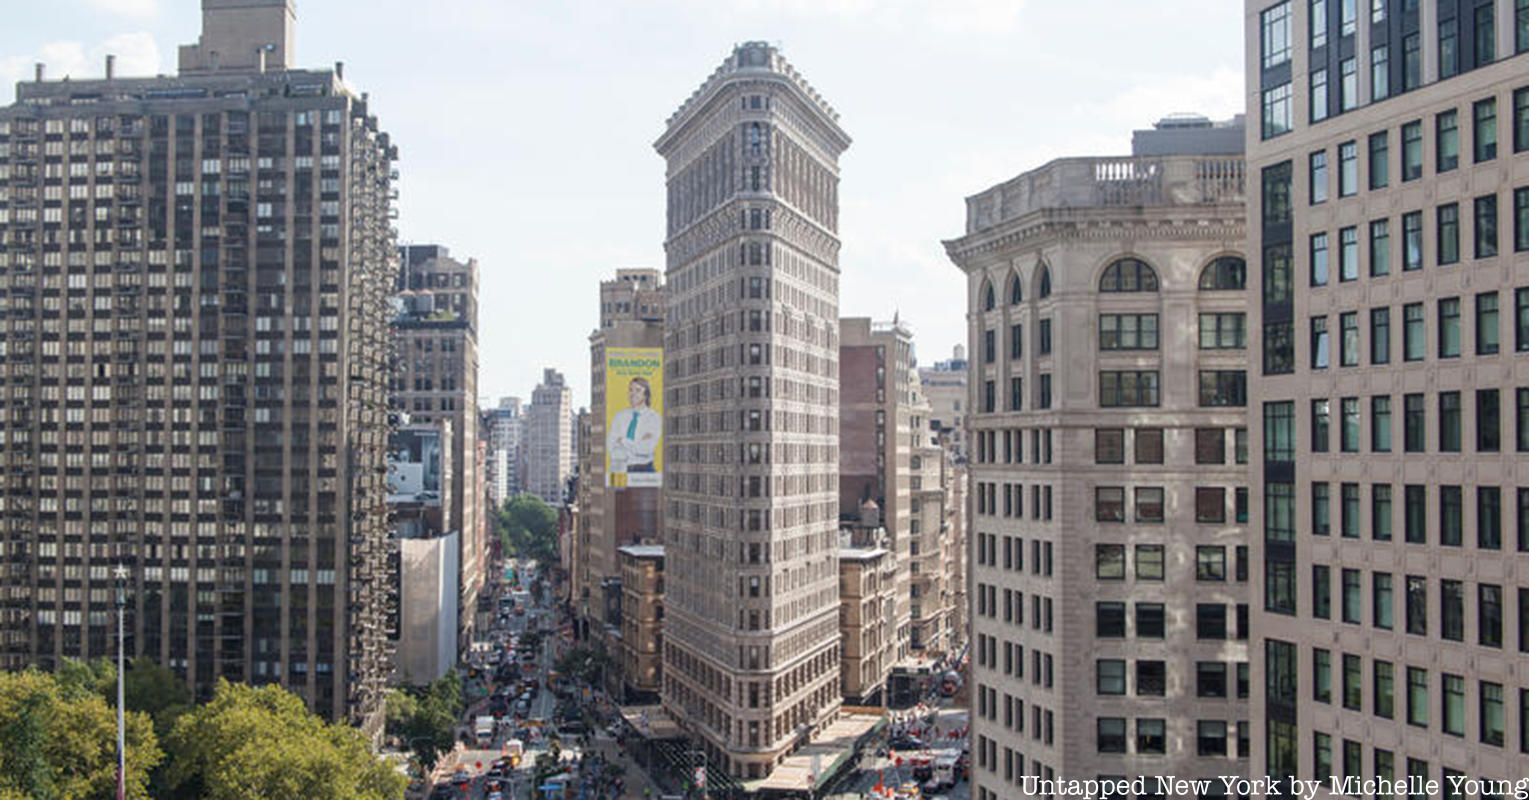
x: 41, y: 71
x: 111, y: 66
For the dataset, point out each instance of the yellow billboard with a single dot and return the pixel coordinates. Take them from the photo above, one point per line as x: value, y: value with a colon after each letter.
x: 634, y: 417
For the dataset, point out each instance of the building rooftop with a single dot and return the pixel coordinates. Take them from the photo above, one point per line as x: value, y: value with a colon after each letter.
x: 861, y: 553
x: 642, y: 550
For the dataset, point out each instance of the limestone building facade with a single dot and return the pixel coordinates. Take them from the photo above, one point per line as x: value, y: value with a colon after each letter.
x: 751, y: 641
x: 1108, y: 447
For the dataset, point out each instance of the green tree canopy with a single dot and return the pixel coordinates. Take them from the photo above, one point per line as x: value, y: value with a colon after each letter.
x: 528, y: 528
x: 426, y: 718
x: 156, y: 691
x: 264, y: 743
x: 59, y: 740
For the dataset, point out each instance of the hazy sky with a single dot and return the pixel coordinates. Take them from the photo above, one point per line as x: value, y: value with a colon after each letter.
x: 525, y: 127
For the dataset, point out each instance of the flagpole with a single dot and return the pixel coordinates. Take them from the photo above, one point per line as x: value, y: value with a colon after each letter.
x: 121, y: 575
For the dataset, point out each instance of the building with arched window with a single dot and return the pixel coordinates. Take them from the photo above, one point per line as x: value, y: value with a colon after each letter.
x: 1107, y: 443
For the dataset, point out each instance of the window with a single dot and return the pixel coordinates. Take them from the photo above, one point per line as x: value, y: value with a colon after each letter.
x: 1349, y: 17
x: 1380, y: 512
x: 1348, y: 84
x: 1414, y: 343
x: 1279, y: 348
x: 1449, y: 327
x: 1412, y: 62
x: 1380, y: 599
x: 1279, y: 431
x: 989, y: 397
x: 1321, y: 591
x: 1521, y: 26
x: 1486, y: 226
x: 1016, y: 342
x: 1380, y: 336
x: 1110, y: 620
x: 1044, y: 334
x: 1412, y: 241
x: 1484, y: 129
x: 1044, y: 401
x: 1453, y: 718
x: 1210, y: 446
x: 1319, y: 263
x: 1112, y: 734
x: 1321, y: 509
x: 1417, y: 697
x: 1225, y: 274
x: 1127, y: 331
x: 1348, y: 254
x: 1128, y: 275
x: 1149, y: 445
x: 1380, y: 424
x: 1348, y: 342
x: 1016, y: 394
x: 1110, y: 504
x: 1452, y: 611
x: 1111, y: 676
x: 1210, y: 560
x: 1149, y: 504
x: 1317, y: 22
x: 1276, y: 111
x: 1486, y: 324
x: 1110, y: 562
x: 1318, y: 95
x: 1320, y: 347
x: 1348, y: 169
x: 1380, y: 72
x: 1149, y: 562
x: 1521, y: 220
x: 1380, y: 247
x: 1380, y: 159
x: 1321, y: 675
x: 1275, y: 23
x: 1016, y: 291
x: 1385, y: 690
x: 1348, y: 432
x: 1417, y: 605
x: 1210, y: 621
x: 1276, y: 196
x: 1353, y: 597
x: 1318, y: 164
x: 1520, y: 120
x: 1489, y: 615
x: 1491, y: 714
x: 1210, y: 679
x: 1128, y: 388
x: 1449, y: 422
x: 1220, y: 388
x: 1150, y: 620
x: 1151, y: 736
x: 1449, y: 233
x: 1412, y: 151
x: 1109, y: 446
x: 1449, y: 48
x: 1486, y: 35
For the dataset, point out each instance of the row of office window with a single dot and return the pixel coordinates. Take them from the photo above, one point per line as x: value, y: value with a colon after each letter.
x: 1449, y: 410
x: 1379, y: 256
x: 1450, y: 521
x: 1210, y: 504
x: 1453, y: 608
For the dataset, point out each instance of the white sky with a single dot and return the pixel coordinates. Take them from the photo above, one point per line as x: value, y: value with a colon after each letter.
x: 526, y: 126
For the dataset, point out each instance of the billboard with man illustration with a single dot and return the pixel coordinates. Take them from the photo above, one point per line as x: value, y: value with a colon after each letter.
x: 634, y: 417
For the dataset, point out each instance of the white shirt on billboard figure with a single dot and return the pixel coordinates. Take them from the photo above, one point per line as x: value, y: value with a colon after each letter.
x: 633, y: 437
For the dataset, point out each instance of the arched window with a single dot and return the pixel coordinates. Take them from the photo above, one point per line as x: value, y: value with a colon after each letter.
x: 1016, y: 290
x: 1128, y: 275
x: 1225, y: 274
x: 988, y: 301
x: 1044, y: 289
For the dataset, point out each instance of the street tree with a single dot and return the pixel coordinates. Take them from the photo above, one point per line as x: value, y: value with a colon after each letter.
x: 528, y: 528
x: 60, y: 741
x: 263, y: 742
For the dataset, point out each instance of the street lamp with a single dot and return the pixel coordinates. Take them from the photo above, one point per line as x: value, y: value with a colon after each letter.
x: 121, y: 575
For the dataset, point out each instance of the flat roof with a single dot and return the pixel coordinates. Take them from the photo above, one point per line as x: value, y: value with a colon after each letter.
x: 802, y: 770
x: 643, y: 550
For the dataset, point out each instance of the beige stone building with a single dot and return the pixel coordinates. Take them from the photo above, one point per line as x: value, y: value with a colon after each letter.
x: 871, y: 584
x: 639, y: 650
x: 1391, y: 418
x: 435, y: 377
x: 936, y: 542
x: 751, y: 641
x: 196, y: 272
x: 1108, y: 449
x: 945, y: 388
x: 612, y: 516
x: 876, y: 443
x: 547, y: 454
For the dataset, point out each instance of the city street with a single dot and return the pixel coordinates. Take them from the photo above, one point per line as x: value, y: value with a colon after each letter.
x: 884, y: 769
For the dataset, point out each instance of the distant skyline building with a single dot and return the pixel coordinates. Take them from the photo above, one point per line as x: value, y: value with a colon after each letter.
x: 547, y: 450
x: 196, y: 272
x: 435, y: 377
x: 504, y: 430
x: 751, y: 632
x: 1107, y: 418
x: 944, y: 386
